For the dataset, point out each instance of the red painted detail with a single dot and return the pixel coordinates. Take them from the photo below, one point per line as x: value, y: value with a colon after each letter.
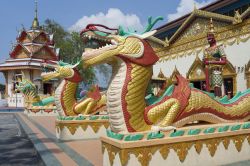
x: 35, y: 110
x: 49, y: 61
x: 93, y: 27
x: 76, y: 78
x: 94, y: 93
x: 207, y: 79
x: 214, y: 111
x: 181, y: 92
x: 126, y: 114
x: 22, y: 36
x: 48, y: 111
x: 62, y: 102
x: 147, y: 59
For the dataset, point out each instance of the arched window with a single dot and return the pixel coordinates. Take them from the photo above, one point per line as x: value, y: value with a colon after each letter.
x: 196, y: 74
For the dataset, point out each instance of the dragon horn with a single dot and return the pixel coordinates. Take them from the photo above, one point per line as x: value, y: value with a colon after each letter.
x: 152, y: 23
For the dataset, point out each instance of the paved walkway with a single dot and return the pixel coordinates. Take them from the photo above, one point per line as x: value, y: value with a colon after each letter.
x: 41, y: 131
x: 15, y: 147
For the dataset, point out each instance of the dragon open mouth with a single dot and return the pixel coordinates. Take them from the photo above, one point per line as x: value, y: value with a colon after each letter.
x: 49, y: 72
x: 97, y: 41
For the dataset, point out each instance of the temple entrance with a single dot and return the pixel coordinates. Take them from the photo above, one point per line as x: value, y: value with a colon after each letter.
x: 201, y: 84
x: 47, y: 88
x: 228, y: 87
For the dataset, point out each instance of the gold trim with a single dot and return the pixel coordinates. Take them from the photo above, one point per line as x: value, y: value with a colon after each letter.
x: 73, y: 126
x: 212, y: 146
x: 201, y: 13
x: 191, y: 75
x: 182, y: 149
x: 144, y: 154
x: 226, y: 143
x: 238, y: 140
x: 198, y: 146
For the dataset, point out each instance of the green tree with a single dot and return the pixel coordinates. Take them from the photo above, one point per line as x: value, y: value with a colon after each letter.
x: 2, y: 87
x: 71, y: 47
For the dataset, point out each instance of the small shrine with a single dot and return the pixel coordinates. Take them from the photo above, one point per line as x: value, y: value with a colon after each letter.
x: 31, y: 49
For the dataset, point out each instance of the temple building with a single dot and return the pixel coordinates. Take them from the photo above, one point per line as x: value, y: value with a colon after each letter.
x: 32, y: 48
x: 187, y: 44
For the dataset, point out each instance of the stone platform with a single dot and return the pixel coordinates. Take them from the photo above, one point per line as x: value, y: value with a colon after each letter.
x: 81, y: 127
x: 195, y: 145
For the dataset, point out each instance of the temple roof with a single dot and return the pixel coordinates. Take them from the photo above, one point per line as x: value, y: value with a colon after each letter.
x: 34, y: 43
x: 222, y: 7
x: 160, y: 76
x: 25, y: 63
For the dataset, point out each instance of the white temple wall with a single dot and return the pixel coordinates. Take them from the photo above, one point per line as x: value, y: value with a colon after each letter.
x: 10, y: 82
x: 237, y: 54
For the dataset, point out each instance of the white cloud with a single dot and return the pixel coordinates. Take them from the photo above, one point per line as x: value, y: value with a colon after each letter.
x: 186, y: 6
x: 113, y: 18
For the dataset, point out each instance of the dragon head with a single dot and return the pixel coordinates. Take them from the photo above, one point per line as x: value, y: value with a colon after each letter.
x: 25, y: 86
x: 61, y: 70
x: 107, y: 44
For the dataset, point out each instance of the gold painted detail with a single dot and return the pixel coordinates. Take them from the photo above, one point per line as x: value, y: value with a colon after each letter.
x: 73, y: 126
x: 144, y: 154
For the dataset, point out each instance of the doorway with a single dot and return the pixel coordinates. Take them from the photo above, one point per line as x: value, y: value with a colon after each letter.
x: 228, y: 87
x: 199, y: 85
x: 47, y: 88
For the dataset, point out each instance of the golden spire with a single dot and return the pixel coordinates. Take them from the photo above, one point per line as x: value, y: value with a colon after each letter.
x: 211, y: 27
x: 195, y: 7
x: 35, y: 23
x: 161, y: 75
x: 237, y: 17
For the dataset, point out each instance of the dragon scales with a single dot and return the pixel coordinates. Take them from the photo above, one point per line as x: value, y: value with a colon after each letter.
x: 132, y: 58
x: 65, y: 95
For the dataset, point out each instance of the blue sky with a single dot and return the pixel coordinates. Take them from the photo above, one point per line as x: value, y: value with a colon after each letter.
x: 74, y: 14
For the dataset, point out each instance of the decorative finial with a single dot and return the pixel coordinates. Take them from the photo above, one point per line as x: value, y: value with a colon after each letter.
x: 195, y: 7
x: 35, y: 23
x: 211, y: 26
x: 160, y: 74
x: 237, y: 17
x: 166, y: 41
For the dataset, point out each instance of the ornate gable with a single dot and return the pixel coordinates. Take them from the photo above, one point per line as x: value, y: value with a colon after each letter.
x: 196, y: 71
x: 197, y: 24
x: 40, y: 39
x: 44, y: 53
x: 20, y: 52
x: 173, y: 75
x: 228, y: 70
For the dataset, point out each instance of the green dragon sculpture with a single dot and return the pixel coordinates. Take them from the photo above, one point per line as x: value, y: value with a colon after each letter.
x: 30, y: 92
x: 132, y: 57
